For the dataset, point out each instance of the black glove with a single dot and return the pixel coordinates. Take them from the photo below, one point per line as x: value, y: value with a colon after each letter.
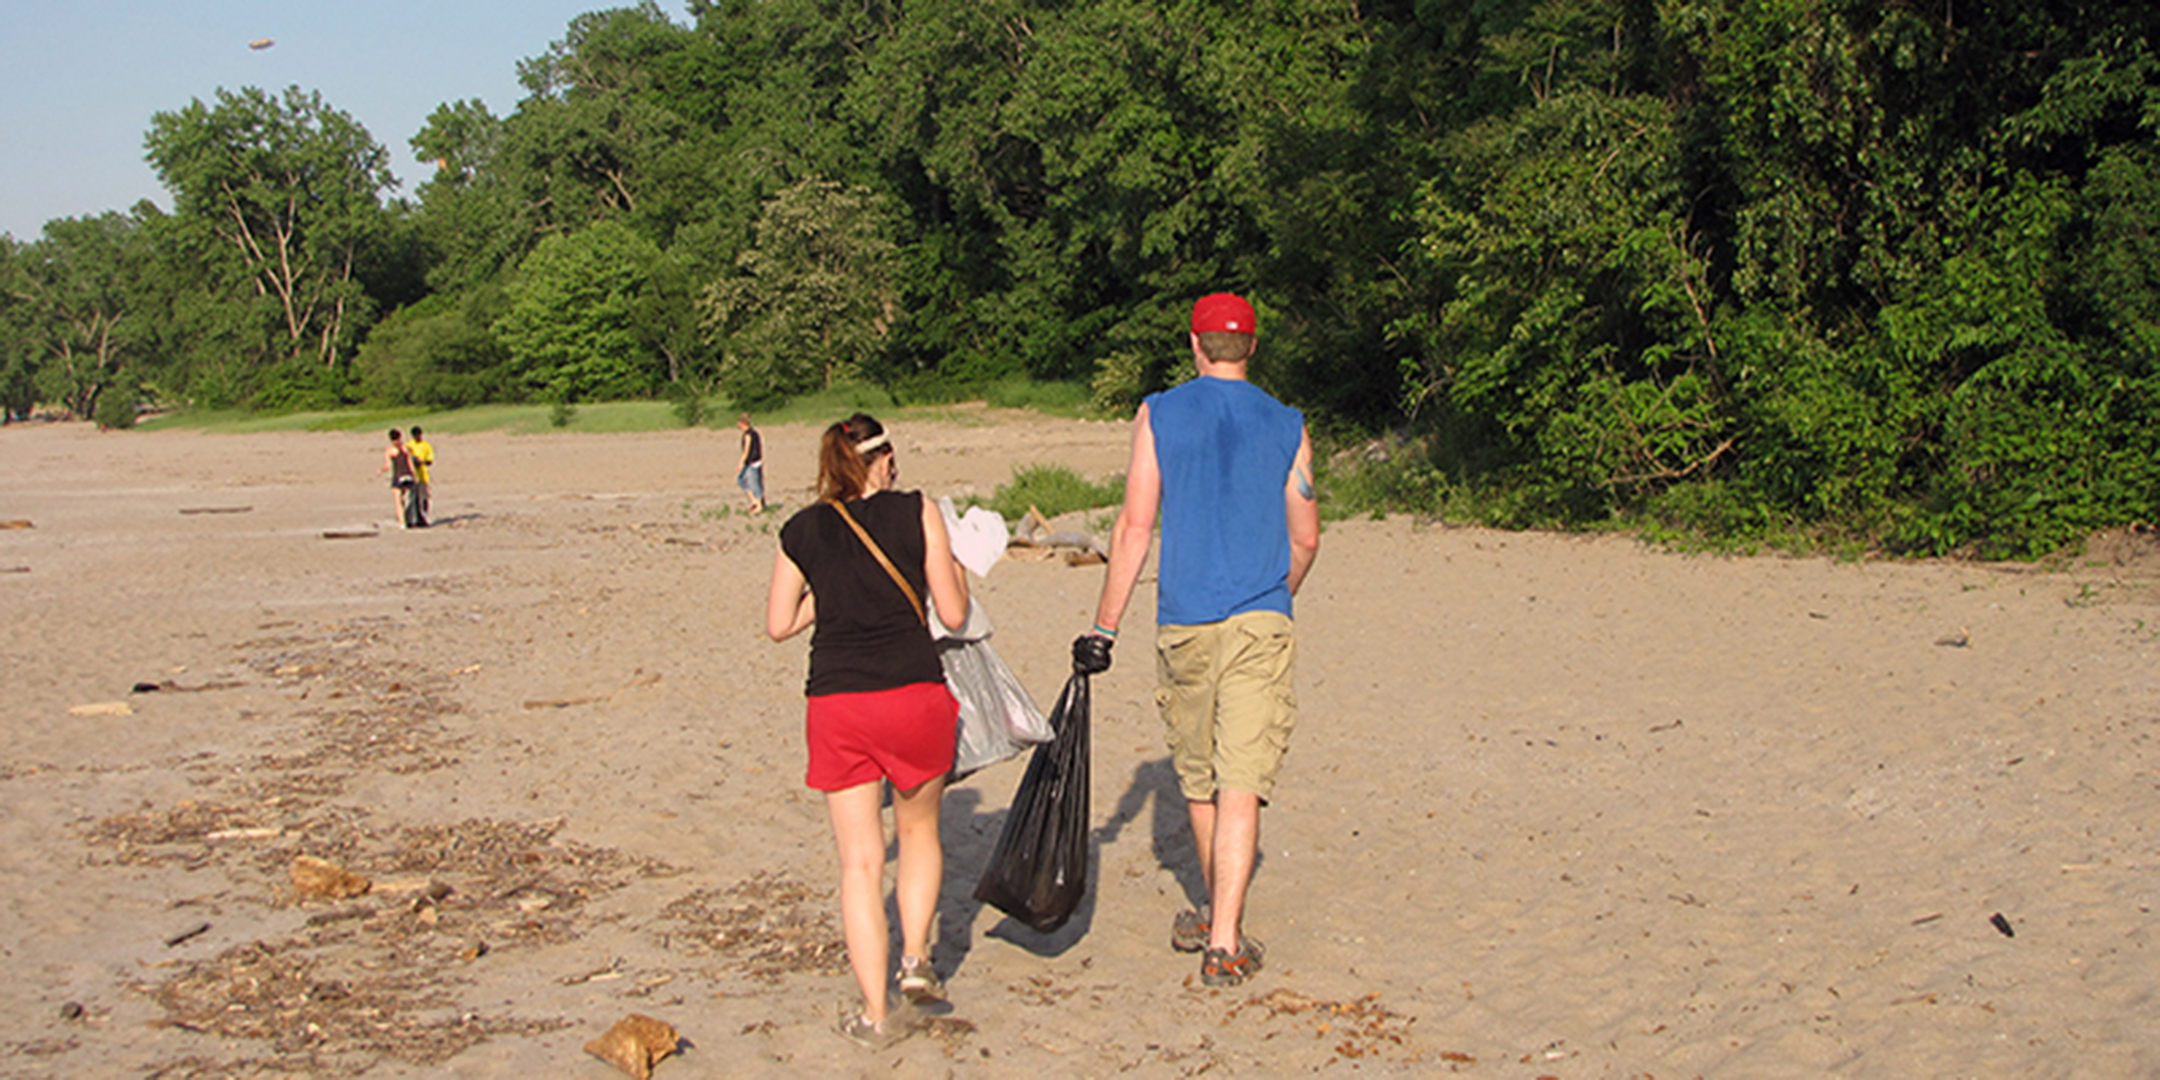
x: 1091, y: 654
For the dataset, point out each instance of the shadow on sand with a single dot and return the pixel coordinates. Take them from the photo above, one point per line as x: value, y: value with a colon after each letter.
x: 971, y: 834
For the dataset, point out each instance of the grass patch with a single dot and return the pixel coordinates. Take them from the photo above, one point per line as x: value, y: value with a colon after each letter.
x: 1054, y: 490
x: 821, y: 408
x: 593, y: 417
x: 1050, y: 398
x: 602, y: 417
x: 1067, y: 399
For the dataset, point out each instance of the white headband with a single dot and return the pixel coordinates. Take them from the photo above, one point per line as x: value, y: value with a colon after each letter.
x: 873, y: 442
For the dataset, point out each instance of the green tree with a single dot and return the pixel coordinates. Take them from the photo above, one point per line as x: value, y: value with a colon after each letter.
x: 1582, y: 321
x: 80, y: 289
x: 601, y: 135
x: 570, y: 328
x: 669, y: 321
x: 19, y: 357
x: 468, y: 219
x: 814, y: 299
x: 440, y: 353
x: 277, y: 200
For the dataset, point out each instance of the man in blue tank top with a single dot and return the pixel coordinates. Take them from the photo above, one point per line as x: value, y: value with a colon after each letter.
x: 1229, y: 468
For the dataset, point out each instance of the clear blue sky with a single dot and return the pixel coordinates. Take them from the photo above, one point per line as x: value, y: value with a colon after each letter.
x: 79, y: 79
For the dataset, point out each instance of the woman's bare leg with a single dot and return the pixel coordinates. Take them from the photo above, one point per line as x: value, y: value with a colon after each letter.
x: 859, y: 833
x: 922, y: 863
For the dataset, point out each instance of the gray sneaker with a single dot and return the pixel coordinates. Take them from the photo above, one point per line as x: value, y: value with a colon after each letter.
x: 1189, y: 931
x: 919, y: 982
x: 857, y: 1028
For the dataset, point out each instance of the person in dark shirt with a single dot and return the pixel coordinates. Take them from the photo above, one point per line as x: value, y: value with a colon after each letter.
x: 398, y: 462
x: 750, y: 468
x: 856, y: 565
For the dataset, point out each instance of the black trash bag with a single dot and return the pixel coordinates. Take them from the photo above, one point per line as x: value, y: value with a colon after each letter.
x: 409, y: 503
x: 1038, y: 874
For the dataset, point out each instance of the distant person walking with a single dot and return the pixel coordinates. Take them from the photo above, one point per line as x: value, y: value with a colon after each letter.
x: 750, y: 468
x: 1230, y: 470
x: 423, y: 461
x: 398, y: 462
x: 857, y: 564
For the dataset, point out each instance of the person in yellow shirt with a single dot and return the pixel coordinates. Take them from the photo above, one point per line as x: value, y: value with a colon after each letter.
x: 423, y: 460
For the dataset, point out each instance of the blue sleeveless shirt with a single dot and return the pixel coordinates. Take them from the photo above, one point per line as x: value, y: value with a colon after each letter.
x: 1224, y: 448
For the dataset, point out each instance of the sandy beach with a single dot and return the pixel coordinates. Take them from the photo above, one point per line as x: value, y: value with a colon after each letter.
x: 1557, y: 806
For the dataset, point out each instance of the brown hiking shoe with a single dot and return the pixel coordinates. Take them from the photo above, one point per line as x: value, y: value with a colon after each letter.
x: 1219, y: 968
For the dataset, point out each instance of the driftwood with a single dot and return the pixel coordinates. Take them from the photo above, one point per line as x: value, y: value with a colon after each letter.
x: 1035, y: 540
x: 637, y: 678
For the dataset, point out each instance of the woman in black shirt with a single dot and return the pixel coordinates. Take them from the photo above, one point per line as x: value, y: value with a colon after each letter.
x: 856, y: 564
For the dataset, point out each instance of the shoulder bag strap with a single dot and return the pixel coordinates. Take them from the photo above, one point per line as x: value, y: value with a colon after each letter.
x: 914, y: 601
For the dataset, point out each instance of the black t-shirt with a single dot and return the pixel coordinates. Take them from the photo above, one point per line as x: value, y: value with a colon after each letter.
x: 757, y: 449
x: 867, y: 635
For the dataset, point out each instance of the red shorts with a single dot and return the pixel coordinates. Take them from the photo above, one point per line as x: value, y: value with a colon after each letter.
x: 905, y: 735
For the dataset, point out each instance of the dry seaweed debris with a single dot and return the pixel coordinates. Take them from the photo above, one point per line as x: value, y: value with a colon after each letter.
x: 183, y: 834
x: 380, y: 717
x: 1361, y: 1028
x: 375, y: 974
x: 198, y: 1067
x: 300, y: 1004
x: 769, y: 925
x: 508, y: 882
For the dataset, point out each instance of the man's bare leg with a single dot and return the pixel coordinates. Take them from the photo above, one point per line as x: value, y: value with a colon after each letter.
x: 1226, y: 834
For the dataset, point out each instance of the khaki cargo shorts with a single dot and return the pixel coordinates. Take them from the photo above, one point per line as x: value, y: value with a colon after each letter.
x: 1225, y: 693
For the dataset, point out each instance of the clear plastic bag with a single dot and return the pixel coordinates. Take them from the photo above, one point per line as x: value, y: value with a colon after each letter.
x: 998, y: 720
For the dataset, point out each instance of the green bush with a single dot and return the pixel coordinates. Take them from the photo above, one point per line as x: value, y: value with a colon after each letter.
x: 1053, y: 490
x: 688, y: 405
x: 116, y: 407
x: 438, y: 353
x: 1375, y: 486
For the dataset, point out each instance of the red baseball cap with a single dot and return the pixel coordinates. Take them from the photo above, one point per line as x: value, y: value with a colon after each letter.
x: 1222, y: 312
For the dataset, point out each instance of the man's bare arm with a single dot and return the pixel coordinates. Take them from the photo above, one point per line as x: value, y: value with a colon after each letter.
x: 1135, y: 528
x: 1302, y: 504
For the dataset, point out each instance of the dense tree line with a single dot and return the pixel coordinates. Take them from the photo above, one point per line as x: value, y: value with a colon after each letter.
x: 1887, y: 270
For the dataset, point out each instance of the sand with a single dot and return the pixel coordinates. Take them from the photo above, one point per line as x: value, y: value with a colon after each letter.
x: 1557, y: 806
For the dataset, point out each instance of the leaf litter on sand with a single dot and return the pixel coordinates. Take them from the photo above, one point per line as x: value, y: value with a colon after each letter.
x: 1362, y: 1028
x: 769, y: 925
x: 379, y: 974
x: 306, y: 1004
x: 183, y: 834
x: 375, y: 975
x: 367, y: 715
x: 199, y: 1067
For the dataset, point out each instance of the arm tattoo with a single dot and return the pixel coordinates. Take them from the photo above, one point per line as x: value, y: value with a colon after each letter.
x: 1304, y: 484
